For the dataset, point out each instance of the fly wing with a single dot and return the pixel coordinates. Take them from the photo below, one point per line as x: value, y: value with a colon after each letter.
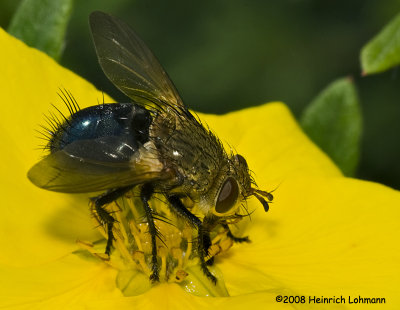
x: 129, y: 64
x: 88, y: 166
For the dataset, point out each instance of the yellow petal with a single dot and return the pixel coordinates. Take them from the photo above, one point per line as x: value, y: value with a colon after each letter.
x: 272, y: 143
x: 323, y: 235
x: 68, y: 283
x: 30, y: 81
x: 340, y: 237
x: 171, y: 296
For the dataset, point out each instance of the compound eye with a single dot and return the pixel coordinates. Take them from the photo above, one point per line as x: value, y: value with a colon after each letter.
x: 227, y: 196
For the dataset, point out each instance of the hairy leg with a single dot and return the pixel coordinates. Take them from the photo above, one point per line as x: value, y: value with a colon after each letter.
x: 204, y: 241
x: 233, y: 237
x: 145, y: 195
x: 103, y: 216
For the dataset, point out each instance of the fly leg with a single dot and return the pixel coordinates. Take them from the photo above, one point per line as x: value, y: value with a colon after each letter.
x: 145, y: 195
x: 204, y: 234
x: 204, y: 241
x: 103, y: 216
x: 232, y: 236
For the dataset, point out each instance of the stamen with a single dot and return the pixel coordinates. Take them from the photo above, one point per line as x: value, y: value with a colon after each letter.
x: 135, y: 233
x: 138, y: 256
x: 162, y: 252
x: 177, y: 254
x: 181, y: 275
x: 188, y: 234
x: 131, y: 247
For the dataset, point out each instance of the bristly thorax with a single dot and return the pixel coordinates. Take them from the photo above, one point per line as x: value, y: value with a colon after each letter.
x: 186, y: 146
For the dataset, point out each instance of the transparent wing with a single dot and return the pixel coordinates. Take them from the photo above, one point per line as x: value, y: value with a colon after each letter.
x: 129, y: 63
x: 75, y: 169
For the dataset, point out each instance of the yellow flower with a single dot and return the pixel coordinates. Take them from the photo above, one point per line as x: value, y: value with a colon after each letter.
x: 325, y: 235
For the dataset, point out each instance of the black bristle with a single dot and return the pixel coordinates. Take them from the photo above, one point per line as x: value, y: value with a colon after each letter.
x: 57, y: 123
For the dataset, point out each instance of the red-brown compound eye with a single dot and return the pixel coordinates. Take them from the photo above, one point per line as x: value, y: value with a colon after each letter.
x: 228, y: 195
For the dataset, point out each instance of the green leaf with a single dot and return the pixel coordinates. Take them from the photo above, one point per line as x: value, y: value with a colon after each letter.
x: 42, y: 24
x: 383, y: 51
x: 334, y: 122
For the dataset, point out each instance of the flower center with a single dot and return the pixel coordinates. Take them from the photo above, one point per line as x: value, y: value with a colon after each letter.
x: 176, y: 244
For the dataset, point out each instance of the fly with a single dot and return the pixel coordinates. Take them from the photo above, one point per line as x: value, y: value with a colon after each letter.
x: 153, y: 144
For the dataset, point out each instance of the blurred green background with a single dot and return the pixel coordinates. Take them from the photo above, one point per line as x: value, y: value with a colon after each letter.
x: 227, y: 55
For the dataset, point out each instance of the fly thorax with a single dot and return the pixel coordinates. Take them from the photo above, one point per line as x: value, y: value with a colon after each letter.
x: 190, y: 149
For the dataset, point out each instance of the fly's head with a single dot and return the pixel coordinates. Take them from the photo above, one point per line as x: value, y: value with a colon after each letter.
x: 235, y: 186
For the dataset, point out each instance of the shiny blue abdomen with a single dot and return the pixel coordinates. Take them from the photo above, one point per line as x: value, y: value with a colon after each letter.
x: 125, y: 121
